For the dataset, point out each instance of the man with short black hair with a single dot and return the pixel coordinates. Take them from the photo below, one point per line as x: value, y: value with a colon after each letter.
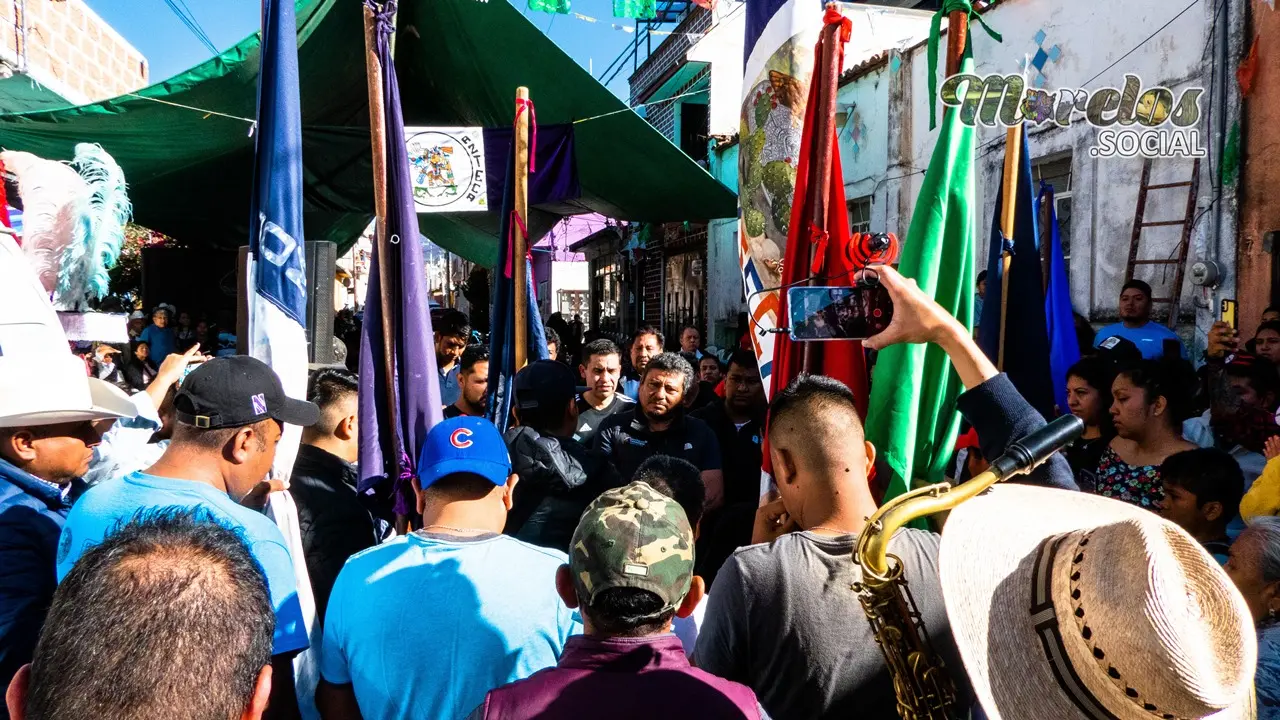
x: 453, y: 335
x: 231, y: 412
x: 601, y: 369
x: 331, y: 517
x: 424, y: 625
x: 559, y: 476
x: 473, y: 383
x: 1202, y: 493
x: 1135, y: 323
x: 738, y: 422
x: 553, y: 342
x: 646, y: 343
x: 782, y: 618
x: 630, y: 573
x: 659, y: 426
x: 168, y: 617
x: 709, y: 370
x: 691, y: 342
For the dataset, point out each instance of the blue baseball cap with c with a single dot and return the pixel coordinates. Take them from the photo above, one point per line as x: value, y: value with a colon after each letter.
x: 464, y: 445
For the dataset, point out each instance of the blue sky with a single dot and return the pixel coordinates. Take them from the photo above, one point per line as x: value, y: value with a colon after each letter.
x: 171, y: 48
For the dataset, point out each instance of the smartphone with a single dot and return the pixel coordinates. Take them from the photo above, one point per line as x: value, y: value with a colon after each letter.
x: 1228, y: 315
x: 839, y: 313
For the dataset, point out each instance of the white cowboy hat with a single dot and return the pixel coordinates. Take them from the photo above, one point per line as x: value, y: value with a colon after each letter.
x: 1066, y: 605
x: 48, y: 389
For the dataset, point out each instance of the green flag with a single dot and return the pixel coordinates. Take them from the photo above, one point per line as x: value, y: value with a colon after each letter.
x: 912, y: 418
x: 638, y: 9
x: 560, y: 7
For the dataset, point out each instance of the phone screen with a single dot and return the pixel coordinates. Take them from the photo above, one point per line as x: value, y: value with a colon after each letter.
x: 839, y: 313
x: 1229, y: 313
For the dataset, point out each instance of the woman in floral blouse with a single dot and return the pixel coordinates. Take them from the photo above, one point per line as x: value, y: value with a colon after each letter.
x: 1150, y: 399
x: 1254, y: 566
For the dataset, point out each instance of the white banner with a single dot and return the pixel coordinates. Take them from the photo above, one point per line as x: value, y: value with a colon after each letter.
x: 446, y: 167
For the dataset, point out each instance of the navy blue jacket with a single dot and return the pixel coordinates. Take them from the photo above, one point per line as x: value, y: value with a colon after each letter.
x: 1001, y: 416
x: 32, y: 514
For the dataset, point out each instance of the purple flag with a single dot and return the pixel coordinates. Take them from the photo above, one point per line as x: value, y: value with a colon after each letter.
x: 384, y: 434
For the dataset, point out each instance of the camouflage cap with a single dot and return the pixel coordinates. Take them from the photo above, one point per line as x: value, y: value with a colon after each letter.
x: 633, y: 537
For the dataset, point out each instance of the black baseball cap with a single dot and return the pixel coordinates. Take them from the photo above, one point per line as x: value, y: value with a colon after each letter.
x: 235, y: 391
x: 545, y: 383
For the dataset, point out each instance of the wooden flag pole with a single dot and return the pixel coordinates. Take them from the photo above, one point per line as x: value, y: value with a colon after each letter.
x: 957, y: 39
x: 522, y: 211
x: 1008, y: 215
x: 820, y: 180
x: 378, y: 144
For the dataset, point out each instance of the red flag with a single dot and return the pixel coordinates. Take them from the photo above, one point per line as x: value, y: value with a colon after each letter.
x: 1248, y: 70
x: 843, y: 360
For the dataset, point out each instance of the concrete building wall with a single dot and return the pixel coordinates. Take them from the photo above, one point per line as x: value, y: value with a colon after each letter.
x: 65, y: 46
x: 1260, y: 174
x: 724, y: 279
x: 1089, y: 35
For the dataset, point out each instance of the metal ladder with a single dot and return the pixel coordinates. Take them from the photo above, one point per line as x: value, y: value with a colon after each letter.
x: 1139, y: 222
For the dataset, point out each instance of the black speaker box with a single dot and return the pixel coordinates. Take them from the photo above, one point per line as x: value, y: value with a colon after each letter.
x: 321, y: 262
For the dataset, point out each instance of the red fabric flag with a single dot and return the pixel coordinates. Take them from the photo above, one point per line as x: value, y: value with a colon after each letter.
x: 834, y: 265
x: 4, y: 205
x: 833, y: 262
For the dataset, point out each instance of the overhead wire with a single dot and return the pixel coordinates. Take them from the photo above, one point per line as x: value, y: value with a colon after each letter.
x: 188, y: 19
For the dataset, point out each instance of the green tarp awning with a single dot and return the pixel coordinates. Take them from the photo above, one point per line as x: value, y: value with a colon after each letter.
x: 459, y: 63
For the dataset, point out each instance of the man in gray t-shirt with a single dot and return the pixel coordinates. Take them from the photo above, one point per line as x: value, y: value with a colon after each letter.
x: 784, y: 619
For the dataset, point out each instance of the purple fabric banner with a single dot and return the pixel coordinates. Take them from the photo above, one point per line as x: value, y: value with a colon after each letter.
x: 416, y: 381
x: 556, y: 178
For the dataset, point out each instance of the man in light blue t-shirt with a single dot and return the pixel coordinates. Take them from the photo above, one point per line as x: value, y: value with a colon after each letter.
x: 425, y: 625
x: 229, y: 416
x: 1135, y: 323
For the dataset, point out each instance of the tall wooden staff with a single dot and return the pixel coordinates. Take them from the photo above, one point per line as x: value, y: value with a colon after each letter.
x: 520, y: 317
x: 378, y: 142
x: 1008, y: 214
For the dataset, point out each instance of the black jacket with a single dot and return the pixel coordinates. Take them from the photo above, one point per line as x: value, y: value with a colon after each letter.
x: 559, y: 477
x: 335, y: 525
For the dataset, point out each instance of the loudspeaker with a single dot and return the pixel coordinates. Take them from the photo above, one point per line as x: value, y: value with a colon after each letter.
x: 321, y: 259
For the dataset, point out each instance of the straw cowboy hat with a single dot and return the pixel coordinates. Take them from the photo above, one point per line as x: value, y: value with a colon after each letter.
x: 1066, y: 605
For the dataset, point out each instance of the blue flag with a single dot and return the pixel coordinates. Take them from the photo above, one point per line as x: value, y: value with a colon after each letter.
x: 502, y: 326
x: 276, y: 283
x: 1059, y: 318
x: 1026, y: 351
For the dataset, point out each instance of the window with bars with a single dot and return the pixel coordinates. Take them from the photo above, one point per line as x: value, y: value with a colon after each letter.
x: 860, y: 214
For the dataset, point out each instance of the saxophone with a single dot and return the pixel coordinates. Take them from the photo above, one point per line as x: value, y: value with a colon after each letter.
x: 924, y: 688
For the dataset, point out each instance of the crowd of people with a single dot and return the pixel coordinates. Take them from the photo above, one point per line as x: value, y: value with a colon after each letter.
x: 611, y: 553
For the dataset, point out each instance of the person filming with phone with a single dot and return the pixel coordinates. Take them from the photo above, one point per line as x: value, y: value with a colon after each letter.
x: 779, y: 619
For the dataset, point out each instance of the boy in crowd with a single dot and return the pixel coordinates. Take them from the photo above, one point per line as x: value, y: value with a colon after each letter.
x: 453, y: 335
x: 1202, y: 492
x: 601, y: 368
x: 424, y: 625
x: 631, y: 572
x: 473, y: 384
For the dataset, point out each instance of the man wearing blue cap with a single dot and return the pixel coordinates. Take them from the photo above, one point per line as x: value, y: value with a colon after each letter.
x: 425, y: 625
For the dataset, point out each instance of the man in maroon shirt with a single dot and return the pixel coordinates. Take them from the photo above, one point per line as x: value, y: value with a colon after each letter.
x: 630, y: 571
